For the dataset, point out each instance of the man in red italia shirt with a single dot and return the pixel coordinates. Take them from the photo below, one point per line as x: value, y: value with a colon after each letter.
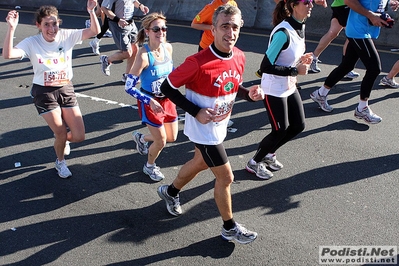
x: 212, y: 78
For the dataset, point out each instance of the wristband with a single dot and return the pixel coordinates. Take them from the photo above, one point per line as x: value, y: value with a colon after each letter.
x: 116, y: 19
x: 140, y: 5
x: 90, y: 10
x: 293, y: 71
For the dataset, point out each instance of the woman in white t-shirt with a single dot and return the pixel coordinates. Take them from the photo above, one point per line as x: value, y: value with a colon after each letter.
x: 50, y: 52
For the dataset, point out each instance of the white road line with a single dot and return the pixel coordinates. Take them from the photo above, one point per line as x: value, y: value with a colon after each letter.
x: 105, y: 100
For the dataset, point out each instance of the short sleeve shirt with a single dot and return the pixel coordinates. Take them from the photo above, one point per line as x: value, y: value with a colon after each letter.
x: 51, y: 61
x: 123, y: 8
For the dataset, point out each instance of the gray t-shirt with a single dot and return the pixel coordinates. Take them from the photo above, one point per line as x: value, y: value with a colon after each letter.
x: 123, y: 8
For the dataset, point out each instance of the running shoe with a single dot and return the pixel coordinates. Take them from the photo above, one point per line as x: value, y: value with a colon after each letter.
x: 322, y: 101
x: 259, y: 169
x: 352, y: 75
x: 367, y: 115
x: 108, y: 34
x: 62, y: 169
x: 240, y: 234
x: 172, y: 203
x: 105, y: 65
x: 95, y: 46
x: 314, y: 67
x: 124, y: 77
x: 141, y: 147
x: 385, y: 81
x: 154, y: 172
x: 272, y: 163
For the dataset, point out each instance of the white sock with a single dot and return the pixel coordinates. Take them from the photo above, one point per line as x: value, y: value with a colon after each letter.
x: 142, y: 139
x: 362, y: 105
x: 323, y: 91
x: 97, y: 40
x: 315, y: 57
x: 252, y: 161
x: 270, y: 155
x: 150, y: 165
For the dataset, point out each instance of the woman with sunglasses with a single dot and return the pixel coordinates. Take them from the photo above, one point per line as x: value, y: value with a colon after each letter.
x: 50, y: 52
x: 153, y: 64
x: 283, y: 61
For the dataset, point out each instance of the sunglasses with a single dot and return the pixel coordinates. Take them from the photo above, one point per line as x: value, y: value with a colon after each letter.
x: 306, y: 2
x: 158, y: 29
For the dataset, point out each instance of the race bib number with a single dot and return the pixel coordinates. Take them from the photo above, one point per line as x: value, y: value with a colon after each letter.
x: 156, y: 87
x: 223, y: 109
x: 56, y: 78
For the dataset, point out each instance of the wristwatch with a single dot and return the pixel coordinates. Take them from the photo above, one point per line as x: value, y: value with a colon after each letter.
x: 293, y: 71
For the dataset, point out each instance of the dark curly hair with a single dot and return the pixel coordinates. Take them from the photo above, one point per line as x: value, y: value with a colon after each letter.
x: 45, y: 11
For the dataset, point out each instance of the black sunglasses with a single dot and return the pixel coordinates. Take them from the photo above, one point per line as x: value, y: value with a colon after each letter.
x: 158, y: 29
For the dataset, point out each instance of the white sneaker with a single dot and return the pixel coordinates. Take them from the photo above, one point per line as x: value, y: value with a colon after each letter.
x: 154, y: 172
x: 321, y: 100
x: 314, y: 68
x: 141, y: 147
x: 62, y: 169
x: 259, y: 169
x: 240, y: 234
x: 367, y: 115
x: 385, y: 81
x: 95, y: 46
x: 352, y: 75
x: 105, y: 65
x: 272, y: 163
x: 124, y: 77
x: 108, y: 34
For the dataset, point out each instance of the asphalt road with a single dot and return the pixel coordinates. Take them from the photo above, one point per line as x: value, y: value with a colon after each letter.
x: 339, y: 184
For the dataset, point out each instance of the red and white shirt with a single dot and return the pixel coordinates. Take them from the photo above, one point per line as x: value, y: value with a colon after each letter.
x: 211, y: 81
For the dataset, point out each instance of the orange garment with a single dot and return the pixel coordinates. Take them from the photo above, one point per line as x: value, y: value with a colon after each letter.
x: 205, y: 17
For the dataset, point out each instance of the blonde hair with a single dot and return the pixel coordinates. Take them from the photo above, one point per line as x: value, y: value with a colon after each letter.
x: 145, y: 25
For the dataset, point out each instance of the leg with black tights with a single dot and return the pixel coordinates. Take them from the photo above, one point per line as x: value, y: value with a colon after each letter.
x: 287, y: 119
x: 347, y: 64
x: 370, y: 58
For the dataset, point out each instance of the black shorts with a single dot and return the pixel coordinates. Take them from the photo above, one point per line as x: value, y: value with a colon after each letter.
x: 214, y: 155
x: 47, y: 98
x: 341, y: 13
